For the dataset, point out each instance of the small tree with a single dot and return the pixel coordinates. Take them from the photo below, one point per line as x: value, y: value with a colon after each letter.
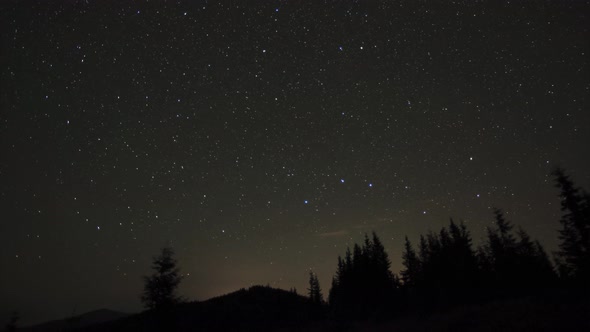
x: 160, y: 288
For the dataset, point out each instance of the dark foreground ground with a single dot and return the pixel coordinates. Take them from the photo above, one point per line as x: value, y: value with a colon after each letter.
x: 526, y: 314
x: 267, y: 309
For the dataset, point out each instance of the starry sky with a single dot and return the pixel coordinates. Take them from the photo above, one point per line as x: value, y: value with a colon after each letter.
x: 261, y: 138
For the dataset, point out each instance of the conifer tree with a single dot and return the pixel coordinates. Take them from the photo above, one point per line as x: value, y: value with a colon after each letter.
x: 516, y: 265
x: 411, y: 265
x: 160, y: 288
x: 423, y: 250
x: 501, y: 252
x: 379, y: 255
x: 574, y: 253
x: 446, y: 269
x: 314, y: 291
x: 363, y: 285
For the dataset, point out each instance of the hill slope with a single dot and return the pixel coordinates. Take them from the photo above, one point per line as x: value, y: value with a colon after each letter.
x: 90, y: 318
x: 258, y: 308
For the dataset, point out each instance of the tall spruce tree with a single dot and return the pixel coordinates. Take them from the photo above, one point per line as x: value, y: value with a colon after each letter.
x: 411, y: 265
x: 574, y: 249
x: 314, y: 291
x: 501, y: 252
x: 534, y: 270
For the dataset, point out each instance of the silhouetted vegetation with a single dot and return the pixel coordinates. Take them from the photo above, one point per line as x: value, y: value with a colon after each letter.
x: 363, y: 286
x: 258, y: 308
x: 315, y: 292
x: 159, y: 294
x: 514, y: 265
x: 316, y: 298
x: 446, y: 270
x: 574, y: 253
x: 464, y: 287
x: 160, y: 288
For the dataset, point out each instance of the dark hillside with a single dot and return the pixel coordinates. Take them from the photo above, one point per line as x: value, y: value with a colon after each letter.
x: 90, y: 318
x: 525, y: 314
x: 258, y: 308
x: 267, y: 309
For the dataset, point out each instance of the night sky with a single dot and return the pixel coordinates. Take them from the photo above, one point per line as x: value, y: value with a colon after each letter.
x: 261, y: 138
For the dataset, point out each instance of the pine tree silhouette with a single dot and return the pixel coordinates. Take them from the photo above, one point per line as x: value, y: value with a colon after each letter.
x: 501, y: 253
x: 445, y: 270
x: 515, y: 265
x: 316, y: 298
x: 314, y: 291
x: 574, y: 253
x: 160, y: 288
x: 534, y: 270
x: 411, y: 265
x: 363, y: 285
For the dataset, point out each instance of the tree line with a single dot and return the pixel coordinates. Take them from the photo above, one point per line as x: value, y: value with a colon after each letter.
x: 445, y: 269
x: 442, y: 270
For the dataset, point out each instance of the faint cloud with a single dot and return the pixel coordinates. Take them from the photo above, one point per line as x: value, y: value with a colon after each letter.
x: 363, y: 226
x: 339, y: 233
x: 372, y: 225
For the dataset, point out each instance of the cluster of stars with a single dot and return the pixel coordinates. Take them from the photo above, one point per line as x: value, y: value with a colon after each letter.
x: 129, y: 126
